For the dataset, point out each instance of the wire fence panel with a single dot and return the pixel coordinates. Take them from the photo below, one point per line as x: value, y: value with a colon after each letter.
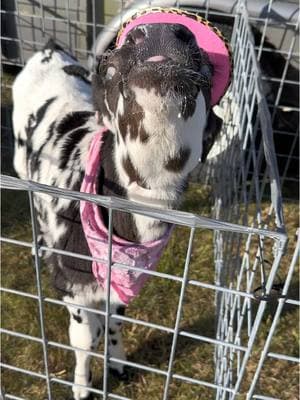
x: 175, y: 217
x: 201, y: 328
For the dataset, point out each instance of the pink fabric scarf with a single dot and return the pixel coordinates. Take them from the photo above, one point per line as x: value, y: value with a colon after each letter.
x: 127, y: 283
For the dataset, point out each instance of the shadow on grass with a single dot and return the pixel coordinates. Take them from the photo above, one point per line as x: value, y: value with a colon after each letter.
x: 156, y: 351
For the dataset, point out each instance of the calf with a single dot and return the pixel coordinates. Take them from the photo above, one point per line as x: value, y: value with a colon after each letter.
x: 150, y: 99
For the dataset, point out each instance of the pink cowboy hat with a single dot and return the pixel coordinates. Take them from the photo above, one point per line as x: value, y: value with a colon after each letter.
x: 208, y: 38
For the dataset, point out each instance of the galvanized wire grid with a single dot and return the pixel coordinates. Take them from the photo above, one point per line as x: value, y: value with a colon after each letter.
x: 244, y: 172
x: 282, y: 92
x: 188, y: 220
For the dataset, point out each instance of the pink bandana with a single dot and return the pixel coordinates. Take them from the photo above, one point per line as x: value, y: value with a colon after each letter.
x: 208, y: 38
x: 125, y: 282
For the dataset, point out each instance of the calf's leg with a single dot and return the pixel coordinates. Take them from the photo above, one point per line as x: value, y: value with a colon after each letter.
x: 115, y: 342
x: 85, y: 331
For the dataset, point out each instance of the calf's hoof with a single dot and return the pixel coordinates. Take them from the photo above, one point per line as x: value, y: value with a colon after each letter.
x: 89, y: 397
x: 121, y: 376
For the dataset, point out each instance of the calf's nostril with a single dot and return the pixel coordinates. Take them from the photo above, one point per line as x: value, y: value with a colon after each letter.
x: 139, y: 40
x: 129, y: 39
x: 137, y: 36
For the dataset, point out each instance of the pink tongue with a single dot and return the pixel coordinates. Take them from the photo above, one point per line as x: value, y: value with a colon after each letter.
x: 156, y: 58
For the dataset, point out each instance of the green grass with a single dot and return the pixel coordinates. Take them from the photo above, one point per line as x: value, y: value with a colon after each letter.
x: 157, y: 303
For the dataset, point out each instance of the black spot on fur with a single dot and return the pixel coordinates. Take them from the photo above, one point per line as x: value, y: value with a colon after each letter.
x: 67, y: 272
x: 72, y: 140
x: 76, y: 155
x: 68, y: 180
x: 45, y: 216
x: 53, y: 46
x: 77, y: 318
x: 40, y: 241
x: 121, y: 310
x: 20, y: 142
x: 111, y: 331
x: 28, y: 127
x: 212, y: 129
x: 78, y: 311
x: 118, y: 139
x: 72, y: 121
x: 34, y: 120
x: 98, y: 95
x: 48, y: 58
x: 131, y: 121
x: 143, y: 135
x: 35, y: 163
x: 54, y: 201
x: 108, y: 182
x: 132, y: 172
x: 98, y: 332
x: 78, y: 71
x: 177, y: 163
x: 188, y: 107
x: 114, y: 342
x: 109, y: 185
x: 35, y: 159
x: 43, y: 109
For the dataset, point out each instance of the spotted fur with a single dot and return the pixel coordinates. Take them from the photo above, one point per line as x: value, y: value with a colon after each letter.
x: 156, y: 128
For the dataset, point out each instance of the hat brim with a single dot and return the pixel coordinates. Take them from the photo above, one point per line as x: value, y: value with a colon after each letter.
x: 208, y: 38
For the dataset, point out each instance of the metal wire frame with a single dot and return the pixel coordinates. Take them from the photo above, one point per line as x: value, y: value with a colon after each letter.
x: 191, y: 221
x: 207, y: 9
x: 281, y: 302
x: 242, y: 169
x: 281, y: 103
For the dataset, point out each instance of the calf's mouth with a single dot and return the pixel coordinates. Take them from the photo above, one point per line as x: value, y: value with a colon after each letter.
x: 167, y: 59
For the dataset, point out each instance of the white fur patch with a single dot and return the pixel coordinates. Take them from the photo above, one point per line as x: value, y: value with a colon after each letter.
x: 168, y: 133
x: 120, y: 106
x: 110, y: 72
x: 231, y: 122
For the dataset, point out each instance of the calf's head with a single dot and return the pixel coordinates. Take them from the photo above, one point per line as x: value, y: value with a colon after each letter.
x: 155, y: 90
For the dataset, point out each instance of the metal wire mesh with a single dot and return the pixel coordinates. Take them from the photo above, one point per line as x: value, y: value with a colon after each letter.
x: 248, y: 227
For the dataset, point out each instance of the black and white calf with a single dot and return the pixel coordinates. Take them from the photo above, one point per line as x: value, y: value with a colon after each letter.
x: 153, y: 95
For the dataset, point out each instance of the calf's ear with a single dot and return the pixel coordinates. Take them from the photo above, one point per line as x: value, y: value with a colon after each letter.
x: 98, y: 94
x: 99, y: 81
x: 98, y: 86
x: 212, y: 129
